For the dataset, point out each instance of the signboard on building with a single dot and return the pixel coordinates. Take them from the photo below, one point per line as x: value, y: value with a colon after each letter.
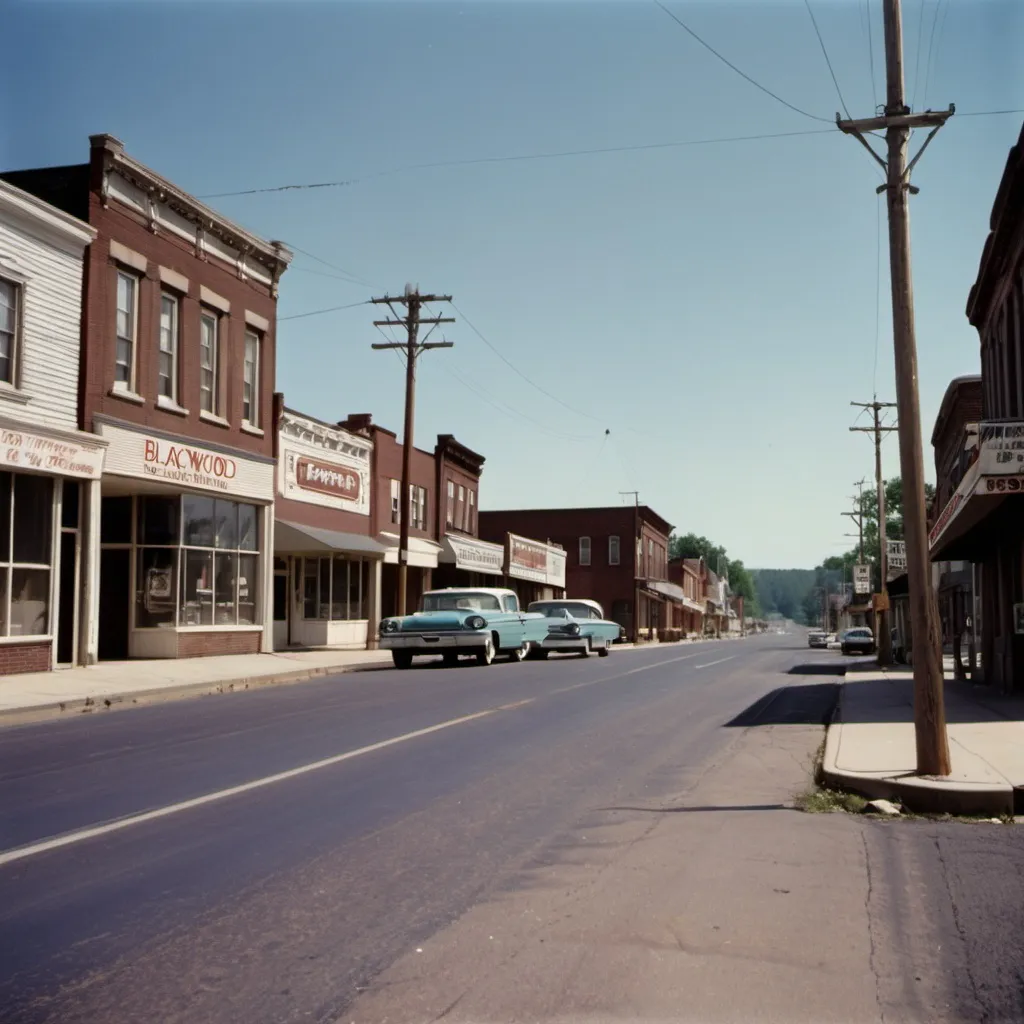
x: 896, y: 559
x: 323, y: 465
x: 862, y: 579
x: 22, y: 449
x: 1001, y: 448
x: 473, y: 555
x: 556, y: 567
x: 535, y: 561
x: 184, y: 464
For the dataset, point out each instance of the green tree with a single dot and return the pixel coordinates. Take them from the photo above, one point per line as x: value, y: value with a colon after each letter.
x: 692, y: 546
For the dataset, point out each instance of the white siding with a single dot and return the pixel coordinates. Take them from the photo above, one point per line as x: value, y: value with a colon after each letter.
x: 51, y: 325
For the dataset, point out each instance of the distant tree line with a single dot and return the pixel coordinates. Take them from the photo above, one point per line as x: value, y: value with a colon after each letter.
x: 741, y: 581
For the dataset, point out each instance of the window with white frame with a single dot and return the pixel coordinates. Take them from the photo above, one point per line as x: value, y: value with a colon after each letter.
x: 251, y: 380
x: 613, y: 550
x: 449, y: 517
x: 170, y: 307
x: 418, y: 503
x: 196, y: 562
x: 209, y: 362
x: 335, y: 588
x: 584, y: 551
x: 396, y: 504
x: 127, y: 329
x: 471, y: 508
x: 460, y: 509
x: 26, y: 518
x: 10, y: 327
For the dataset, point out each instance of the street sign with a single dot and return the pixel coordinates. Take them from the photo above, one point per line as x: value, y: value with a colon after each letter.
x: 896, y: 554
x: 862, y: 579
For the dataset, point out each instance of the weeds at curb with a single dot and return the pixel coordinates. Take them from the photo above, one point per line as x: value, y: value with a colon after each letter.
x: 827, y: 801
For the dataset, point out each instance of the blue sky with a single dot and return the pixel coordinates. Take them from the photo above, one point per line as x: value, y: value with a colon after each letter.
x: 712, y: 306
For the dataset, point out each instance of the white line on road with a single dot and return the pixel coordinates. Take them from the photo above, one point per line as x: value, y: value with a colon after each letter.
x: 162, y: 812
x: 708, y: 664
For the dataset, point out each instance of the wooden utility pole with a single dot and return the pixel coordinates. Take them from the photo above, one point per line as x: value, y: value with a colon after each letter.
x: 897, y: 121
x: 638, y: 551
x: 878, y: 430
x: 413, y: 347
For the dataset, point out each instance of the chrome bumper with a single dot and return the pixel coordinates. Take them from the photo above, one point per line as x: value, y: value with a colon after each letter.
x: 554, y: 642
x: 426, y: 642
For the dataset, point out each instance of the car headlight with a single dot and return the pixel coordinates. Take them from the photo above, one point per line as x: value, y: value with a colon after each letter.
x: 573, y: 628
x: 476, y: 622
x: 388, y: 626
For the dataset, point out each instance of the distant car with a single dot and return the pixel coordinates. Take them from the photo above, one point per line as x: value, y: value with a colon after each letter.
x: 481, y: 621
x: 574, y: 624
x: 816, y: 638
x: 858, y: 640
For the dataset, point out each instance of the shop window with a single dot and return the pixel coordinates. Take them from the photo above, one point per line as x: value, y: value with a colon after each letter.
x: 203, y: 572
x: 116, y: 521
x: 26, y: 516
x: 335, y: 588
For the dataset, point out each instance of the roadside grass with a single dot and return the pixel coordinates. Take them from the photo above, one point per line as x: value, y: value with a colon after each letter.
x: 819, y: 800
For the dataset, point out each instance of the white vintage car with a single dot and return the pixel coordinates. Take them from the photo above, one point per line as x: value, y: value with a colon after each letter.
x: 575, y: 625
x: 481, y: 621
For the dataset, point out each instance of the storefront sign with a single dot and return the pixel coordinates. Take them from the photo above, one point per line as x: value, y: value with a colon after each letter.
x: 535, y: 561
x: 1001, y: 448
x: 20, y: 449
x: 183, y: 464
x: 473, y: 555
x: 556, y: 568
x: 862, y: 579
x: 896, y: 559
x: 313, y: 475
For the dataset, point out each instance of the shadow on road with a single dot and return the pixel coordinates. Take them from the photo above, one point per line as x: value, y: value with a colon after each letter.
x: 821, y: 669
x: 807, y: 704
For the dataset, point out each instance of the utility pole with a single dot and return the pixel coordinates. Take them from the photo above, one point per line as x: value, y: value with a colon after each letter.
x: 897, y: 121
x: 413, y: 302
x: 638, y: 550
x: 858, y: 517
x: 878, y: 430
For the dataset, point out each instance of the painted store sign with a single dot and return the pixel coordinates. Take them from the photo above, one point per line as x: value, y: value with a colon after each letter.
x: 324, y: 478
x: 185, y: 464
x: 532, y: 560
x: 20, y: 449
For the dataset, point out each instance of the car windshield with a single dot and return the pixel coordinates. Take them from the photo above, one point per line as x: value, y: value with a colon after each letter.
x: 563, y: 609
x: 460, y: 600
x: 859, y: 633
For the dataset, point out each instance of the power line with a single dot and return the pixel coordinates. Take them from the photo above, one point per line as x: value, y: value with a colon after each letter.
x: 878, y: 287
x: 742, y: 74
x: 871, y: 56
x: 917, y: 60
x: 824, y: 51
x: 333, y: 266
x: 520, y: 157
x: 932, y: 51
x: 317, y: 312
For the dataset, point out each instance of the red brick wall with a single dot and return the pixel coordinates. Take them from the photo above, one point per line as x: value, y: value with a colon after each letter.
x: 30, y: 657
x: 202, y: 644
x: 388, y: 467
x: 469, y: 482
x: 164, y: 249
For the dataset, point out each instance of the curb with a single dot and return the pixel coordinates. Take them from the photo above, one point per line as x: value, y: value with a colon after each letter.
x: 916, y: 793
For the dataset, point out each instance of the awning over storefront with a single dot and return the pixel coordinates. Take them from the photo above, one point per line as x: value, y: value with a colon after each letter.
x: 975, y: 499
x: 472, y: 555
x: 294, y: 537
x: 669, y: 590
x: 422, y: 553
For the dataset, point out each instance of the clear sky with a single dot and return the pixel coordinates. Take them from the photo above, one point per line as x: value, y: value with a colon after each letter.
x: 712, y: 306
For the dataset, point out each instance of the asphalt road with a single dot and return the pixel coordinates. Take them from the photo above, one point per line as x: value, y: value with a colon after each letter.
x: 410, y: 797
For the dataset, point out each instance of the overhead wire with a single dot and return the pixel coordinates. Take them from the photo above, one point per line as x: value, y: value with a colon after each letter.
x: 329, y: 309
x: 871, y: 57
x: 878, y: 287
x: 932, y: 47
x: 917, y: 59
x: 828, y: 61
x: 728, y: 63
x: 520, y: 157
x: 348, y: 273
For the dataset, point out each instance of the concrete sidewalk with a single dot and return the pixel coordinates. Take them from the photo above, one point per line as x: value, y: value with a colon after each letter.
x: 870, y: 746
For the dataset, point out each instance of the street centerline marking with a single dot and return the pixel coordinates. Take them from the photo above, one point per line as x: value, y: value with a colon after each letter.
x: 708, y: 664
x: 8, y: 856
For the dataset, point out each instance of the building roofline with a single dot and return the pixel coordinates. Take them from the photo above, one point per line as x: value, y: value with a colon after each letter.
x: 275, y: 254
x: 582, y: 508
x: 28, y: 206
x: 948, y: 398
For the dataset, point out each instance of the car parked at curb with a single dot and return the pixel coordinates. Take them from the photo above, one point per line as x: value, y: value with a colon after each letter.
x: 479, y: 621
x: 575, y: 625
x: 817, y: 638
x: 859, y: 640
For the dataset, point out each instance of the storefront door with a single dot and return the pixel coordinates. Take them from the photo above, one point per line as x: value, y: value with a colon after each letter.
x: 115, y: 603
x: 67, y: 606
x: 282, y: 610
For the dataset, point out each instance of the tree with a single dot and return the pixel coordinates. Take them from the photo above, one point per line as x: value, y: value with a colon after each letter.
x: 692, y: 546
x: 782, y: 591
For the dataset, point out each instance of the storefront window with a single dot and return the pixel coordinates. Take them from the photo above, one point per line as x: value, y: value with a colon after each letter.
x: 26, y: 516
x: 197, y: 562
x: 335, y: 588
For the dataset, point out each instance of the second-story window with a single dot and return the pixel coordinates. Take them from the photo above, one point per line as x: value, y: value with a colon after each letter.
x: 127, y: 330
x: 209, y: 362
x: 470, y: 509
x: 460, y: 509
x: 169, y: 319
x: 449, y: 516
x: 251, y: 380
x: 613, y: 550
x: 584, y: 551
x: 10, y: 295
x: 418, y: 503
x: 396, y: 505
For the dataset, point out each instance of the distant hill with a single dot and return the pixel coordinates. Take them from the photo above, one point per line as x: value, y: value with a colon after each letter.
x: 782, y: 591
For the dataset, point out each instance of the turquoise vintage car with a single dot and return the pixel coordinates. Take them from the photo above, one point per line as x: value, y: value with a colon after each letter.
x: 481, y: 621
x: 577, y: 625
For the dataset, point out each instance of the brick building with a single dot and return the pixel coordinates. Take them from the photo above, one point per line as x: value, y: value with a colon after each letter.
x: 49, y: 470
x: 177, y: 372
x: 688, y: 614
x: 617, y: 556
x: 980, y: 521
x: 327, y: 562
